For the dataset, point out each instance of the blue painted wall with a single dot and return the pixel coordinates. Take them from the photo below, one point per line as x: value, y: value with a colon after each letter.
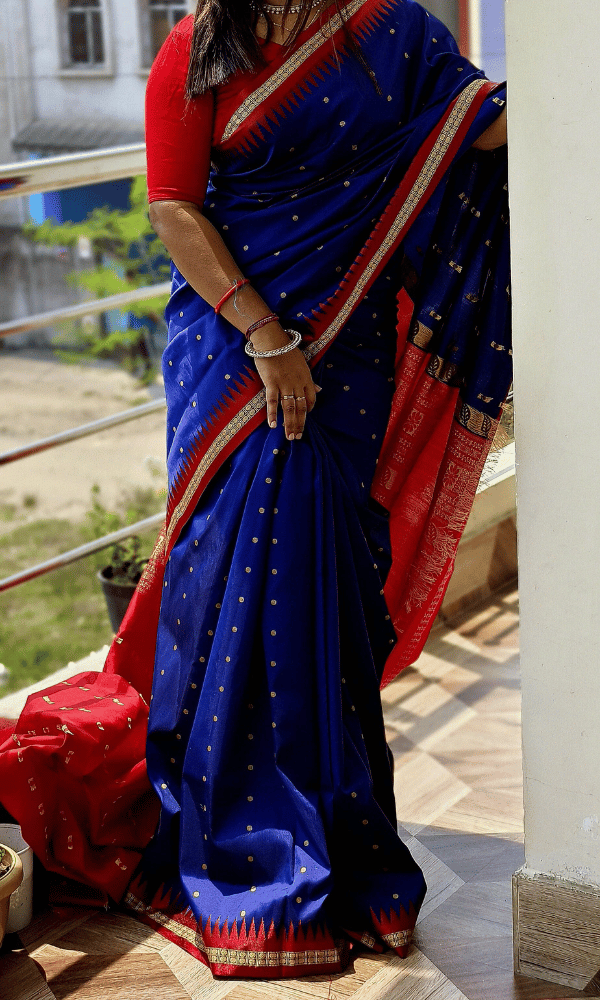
x: 75, y: 204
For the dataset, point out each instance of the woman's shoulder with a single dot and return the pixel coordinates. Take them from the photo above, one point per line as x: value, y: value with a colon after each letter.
x: 175, y: 50
x: 184, y: 27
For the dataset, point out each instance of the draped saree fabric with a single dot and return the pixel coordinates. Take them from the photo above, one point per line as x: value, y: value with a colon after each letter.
x: 292, y: 580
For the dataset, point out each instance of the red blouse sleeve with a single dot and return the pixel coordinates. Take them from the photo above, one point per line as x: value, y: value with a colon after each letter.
x: 178, y: 134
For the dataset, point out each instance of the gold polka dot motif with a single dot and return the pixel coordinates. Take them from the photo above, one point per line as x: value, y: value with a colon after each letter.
x: 196, y: 894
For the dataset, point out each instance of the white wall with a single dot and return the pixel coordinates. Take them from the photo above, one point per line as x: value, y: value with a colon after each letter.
x: 554, y: 139
x: 115, y: 93
x: 16, y: 92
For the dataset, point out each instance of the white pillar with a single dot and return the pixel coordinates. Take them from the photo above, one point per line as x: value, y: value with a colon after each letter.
x: 475, y: 50
x: 554, y: 142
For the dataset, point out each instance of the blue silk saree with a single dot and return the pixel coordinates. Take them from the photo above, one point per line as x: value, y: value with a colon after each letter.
x: 292, y: 580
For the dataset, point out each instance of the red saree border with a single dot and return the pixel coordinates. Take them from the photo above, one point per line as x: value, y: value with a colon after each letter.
x: 250, y: 950
x: 419, y: 183
x: 278, y: 91
x: 247, y: 951
x: 233, y: 415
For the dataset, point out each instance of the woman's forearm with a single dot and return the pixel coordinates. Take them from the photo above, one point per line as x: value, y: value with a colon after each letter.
x: 495, y: 135
x: 201, y: 256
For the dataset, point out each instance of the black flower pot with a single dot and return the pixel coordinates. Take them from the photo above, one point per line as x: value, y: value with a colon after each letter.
x: 117, y: 594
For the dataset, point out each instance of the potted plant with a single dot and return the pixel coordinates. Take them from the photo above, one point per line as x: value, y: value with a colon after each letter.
x: 120, y: 578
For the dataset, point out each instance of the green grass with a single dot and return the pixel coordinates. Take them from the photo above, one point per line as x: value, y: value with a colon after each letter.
x: 60, y: 616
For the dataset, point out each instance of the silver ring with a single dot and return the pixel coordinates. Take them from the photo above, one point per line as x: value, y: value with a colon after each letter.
x: 288, y: 397
x: 300, y: 397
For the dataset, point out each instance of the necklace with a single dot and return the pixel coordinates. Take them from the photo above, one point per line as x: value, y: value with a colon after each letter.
x: 276, y: 9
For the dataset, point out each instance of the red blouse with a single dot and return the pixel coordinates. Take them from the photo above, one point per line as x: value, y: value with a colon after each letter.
x: 180, y: 135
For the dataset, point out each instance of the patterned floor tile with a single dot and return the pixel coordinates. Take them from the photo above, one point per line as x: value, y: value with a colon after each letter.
x: 424, y: 789
x: 428, y: 716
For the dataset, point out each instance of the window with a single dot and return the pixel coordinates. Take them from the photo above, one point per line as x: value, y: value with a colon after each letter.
x: 159, y: 16
x: 84, y: 33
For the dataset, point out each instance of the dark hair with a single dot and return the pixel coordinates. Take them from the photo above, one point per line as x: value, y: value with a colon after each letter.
x: 224, y: 40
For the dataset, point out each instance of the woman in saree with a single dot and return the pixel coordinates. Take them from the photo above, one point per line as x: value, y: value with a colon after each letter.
x: 330, y: 183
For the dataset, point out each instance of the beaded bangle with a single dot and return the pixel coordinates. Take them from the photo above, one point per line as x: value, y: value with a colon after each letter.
x: 239, y: 283
x: 269, y: 318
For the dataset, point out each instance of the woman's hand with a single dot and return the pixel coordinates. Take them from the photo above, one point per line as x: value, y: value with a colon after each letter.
x: 285, y: 375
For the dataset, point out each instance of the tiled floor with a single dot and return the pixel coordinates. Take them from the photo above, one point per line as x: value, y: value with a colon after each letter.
x: 454, y: 726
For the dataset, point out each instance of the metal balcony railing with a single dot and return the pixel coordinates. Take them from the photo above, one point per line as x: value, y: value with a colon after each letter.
x: 53, y: 174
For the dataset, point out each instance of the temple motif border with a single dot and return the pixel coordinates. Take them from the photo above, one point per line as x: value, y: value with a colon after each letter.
x: 359, y: 16
x: 250, y: 952
x: 332, y: 956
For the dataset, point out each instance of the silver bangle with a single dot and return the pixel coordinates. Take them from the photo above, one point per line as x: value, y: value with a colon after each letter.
x: 296, y: 338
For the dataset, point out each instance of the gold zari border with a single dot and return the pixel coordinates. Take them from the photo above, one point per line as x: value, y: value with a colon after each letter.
x: 415, y: 195
x: 398, y: 938
x: 234, y: 956
x: 230, y: 430
x: 284, y: 72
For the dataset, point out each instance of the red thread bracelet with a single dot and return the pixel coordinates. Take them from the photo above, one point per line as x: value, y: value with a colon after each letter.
x: 269, y: 318
x: 231, y: 291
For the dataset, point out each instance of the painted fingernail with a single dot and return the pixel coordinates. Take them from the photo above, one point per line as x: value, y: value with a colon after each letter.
x: 298, y: 436
x: 318, y: 388
x: 273, y: 423
x: 290, y: 437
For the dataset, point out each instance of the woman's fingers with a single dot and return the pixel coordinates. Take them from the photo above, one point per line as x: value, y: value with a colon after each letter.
x: 288, y: 405
x: 301, y: 411
x: 310, y: 392
x: 288, y: 382
x: 272, y: 400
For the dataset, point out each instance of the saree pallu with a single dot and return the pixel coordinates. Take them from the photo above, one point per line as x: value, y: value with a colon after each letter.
x: 293, y: 579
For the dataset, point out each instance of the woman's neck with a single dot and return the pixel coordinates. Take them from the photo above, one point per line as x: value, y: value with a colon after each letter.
x: 281, y: 31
